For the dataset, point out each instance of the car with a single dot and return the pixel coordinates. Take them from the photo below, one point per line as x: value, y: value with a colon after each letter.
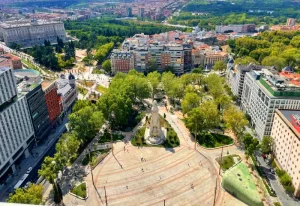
x: 272, y: 171
x: 28, y: 170
x: 27, y: 185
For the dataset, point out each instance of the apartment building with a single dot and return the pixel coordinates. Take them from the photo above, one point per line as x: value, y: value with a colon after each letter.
x: 67, y: 92
x: 10, y: 60
x: 121, y: 61
x: 16, y: 129
x: 141, y: 58
x: 208, y: 59
x: 265, y: 91
x: 286, y: 135
x: 242, y: 28
x: 52, y: 100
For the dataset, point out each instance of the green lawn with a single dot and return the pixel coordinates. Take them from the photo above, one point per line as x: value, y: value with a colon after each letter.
x: 238, y: 182
x: 96, y: 157
x: 171, y: 141
x: 227, y: 161
x: 212, y: 140
x: 80, y: 190
x: 82, y: 90
x: 101, y: 89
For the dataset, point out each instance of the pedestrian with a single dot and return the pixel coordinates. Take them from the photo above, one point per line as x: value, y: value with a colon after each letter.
x: 142, y: 170
x: 127, y: 187
x: 128, y: 151
x: 189, y: 165
x: 141, y: 159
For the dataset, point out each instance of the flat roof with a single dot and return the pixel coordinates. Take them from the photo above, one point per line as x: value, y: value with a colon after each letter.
x: 291, y: 118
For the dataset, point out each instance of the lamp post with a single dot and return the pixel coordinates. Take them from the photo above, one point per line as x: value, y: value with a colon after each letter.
x: 112, y: 116
x: 91, y: 165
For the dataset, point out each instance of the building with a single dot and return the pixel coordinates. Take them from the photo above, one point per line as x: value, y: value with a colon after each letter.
x: 10, y: 60
x: 129, y: 12
x: 16, y: 129
x: 188, y: 58
x: 208, y: 59
x: 32, y: 33
x: 67, y: 92
x: 265, y: 91
x: 236, y: 76
x: 290, y: 22
x: 52, y: 100
x: 141, y: 58
x: 141, y: 13
x: 121, y: 61
x: 286, y: 135
x: 29, y: 84
x: 243, y: 28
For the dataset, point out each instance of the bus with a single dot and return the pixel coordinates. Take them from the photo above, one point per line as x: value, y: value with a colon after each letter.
x: 21, y: 181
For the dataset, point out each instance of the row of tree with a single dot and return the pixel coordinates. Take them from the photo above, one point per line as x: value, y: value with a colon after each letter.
x: 274, y: 48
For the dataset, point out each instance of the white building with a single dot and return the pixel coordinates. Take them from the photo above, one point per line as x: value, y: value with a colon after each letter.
x: 33, y: 33
x: 286, y: 135
x: 16, y: 129
x: 8, y: 88
x: 236, y: 76
x: 265, y: 91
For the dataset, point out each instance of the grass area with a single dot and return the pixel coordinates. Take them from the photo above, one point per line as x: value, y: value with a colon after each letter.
x: 106, y: 137
x: 285, y: 180
x: 80, y: 190
x: 238, y: 182
x: 82, y: 90
x: 101, y: 89
x: 227, y: 161
x: 276, y: 203
x: 96, y: 157
x: 171, y: 141
x: 212, y: 140
x: 86, y: 83
x: 97, y: 71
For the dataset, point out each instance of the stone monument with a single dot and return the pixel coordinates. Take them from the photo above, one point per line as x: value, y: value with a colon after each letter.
x: 155, y: 134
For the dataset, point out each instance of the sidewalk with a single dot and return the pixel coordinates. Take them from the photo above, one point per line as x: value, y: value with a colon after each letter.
x: 38, y: 153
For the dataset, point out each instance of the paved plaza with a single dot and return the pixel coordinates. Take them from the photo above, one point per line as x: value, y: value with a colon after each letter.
x: 156, y: 175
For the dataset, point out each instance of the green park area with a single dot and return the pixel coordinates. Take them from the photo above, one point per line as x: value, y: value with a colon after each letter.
x: 82, y: 90
x: 96, y: 157
x: 239, y: 183
x: 101, y: 89
x: 80, y: 190
x: 228, y: 161
x: 212, y: 140
x: 107, y: 137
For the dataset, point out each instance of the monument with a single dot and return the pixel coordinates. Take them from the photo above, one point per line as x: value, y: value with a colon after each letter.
x: 155, y: 134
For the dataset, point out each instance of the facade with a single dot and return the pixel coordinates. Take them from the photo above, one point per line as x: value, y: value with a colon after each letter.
x: 188, y: 59
x: 8, y: 89
x: 121, y: 61
x: 243, y: 28
x: 141, y: 13
x: 52, y: 100
x: 236, y: 76
x: 33, y: 33
x: 265, y: 91
x: 67, y: 92
x: 16, y: 129
x: 10, y: 60
x: 209, y: 59
x: 290, y: 22
x: 29, y: 83
x: 141, y: 58
x: 286, y: 135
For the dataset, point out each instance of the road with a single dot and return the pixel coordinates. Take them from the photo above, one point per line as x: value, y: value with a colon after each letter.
x: 47, y: 148
x: 285, y: 199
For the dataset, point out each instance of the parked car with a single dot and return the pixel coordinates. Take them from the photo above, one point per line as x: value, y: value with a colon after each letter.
x: 28, y: 170
x: 272, y: 171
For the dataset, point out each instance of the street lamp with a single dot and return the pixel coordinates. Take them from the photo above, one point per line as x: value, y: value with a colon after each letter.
x: 112, y: 116
x: 90, y: 150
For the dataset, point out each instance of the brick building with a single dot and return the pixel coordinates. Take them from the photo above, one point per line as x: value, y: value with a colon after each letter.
x: 122, y: 61
x: 11, y: 61
x: 52, y: 100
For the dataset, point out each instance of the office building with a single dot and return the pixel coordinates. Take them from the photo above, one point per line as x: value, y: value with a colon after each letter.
x: 29, y: 83
x: 243, y: 28
x: 16, y: 129
x: 286, y: 135
x: 265, y: 91
x: 28, y: 34
x: 141, y: 13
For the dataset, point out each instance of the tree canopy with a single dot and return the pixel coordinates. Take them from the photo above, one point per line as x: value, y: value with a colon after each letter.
x: 31, y: 195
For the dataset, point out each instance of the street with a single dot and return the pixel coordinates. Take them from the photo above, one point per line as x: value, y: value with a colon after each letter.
x: 47, y: 148
x: 285, y: 199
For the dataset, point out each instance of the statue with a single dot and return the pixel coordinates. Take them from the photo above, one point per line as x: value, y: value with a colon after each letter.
x: 155, y: 134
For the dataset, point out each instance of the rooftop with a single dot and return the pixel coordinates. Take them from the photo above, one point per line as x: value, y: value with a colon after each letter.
x: 292, y: 118
x: 27, y: 80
